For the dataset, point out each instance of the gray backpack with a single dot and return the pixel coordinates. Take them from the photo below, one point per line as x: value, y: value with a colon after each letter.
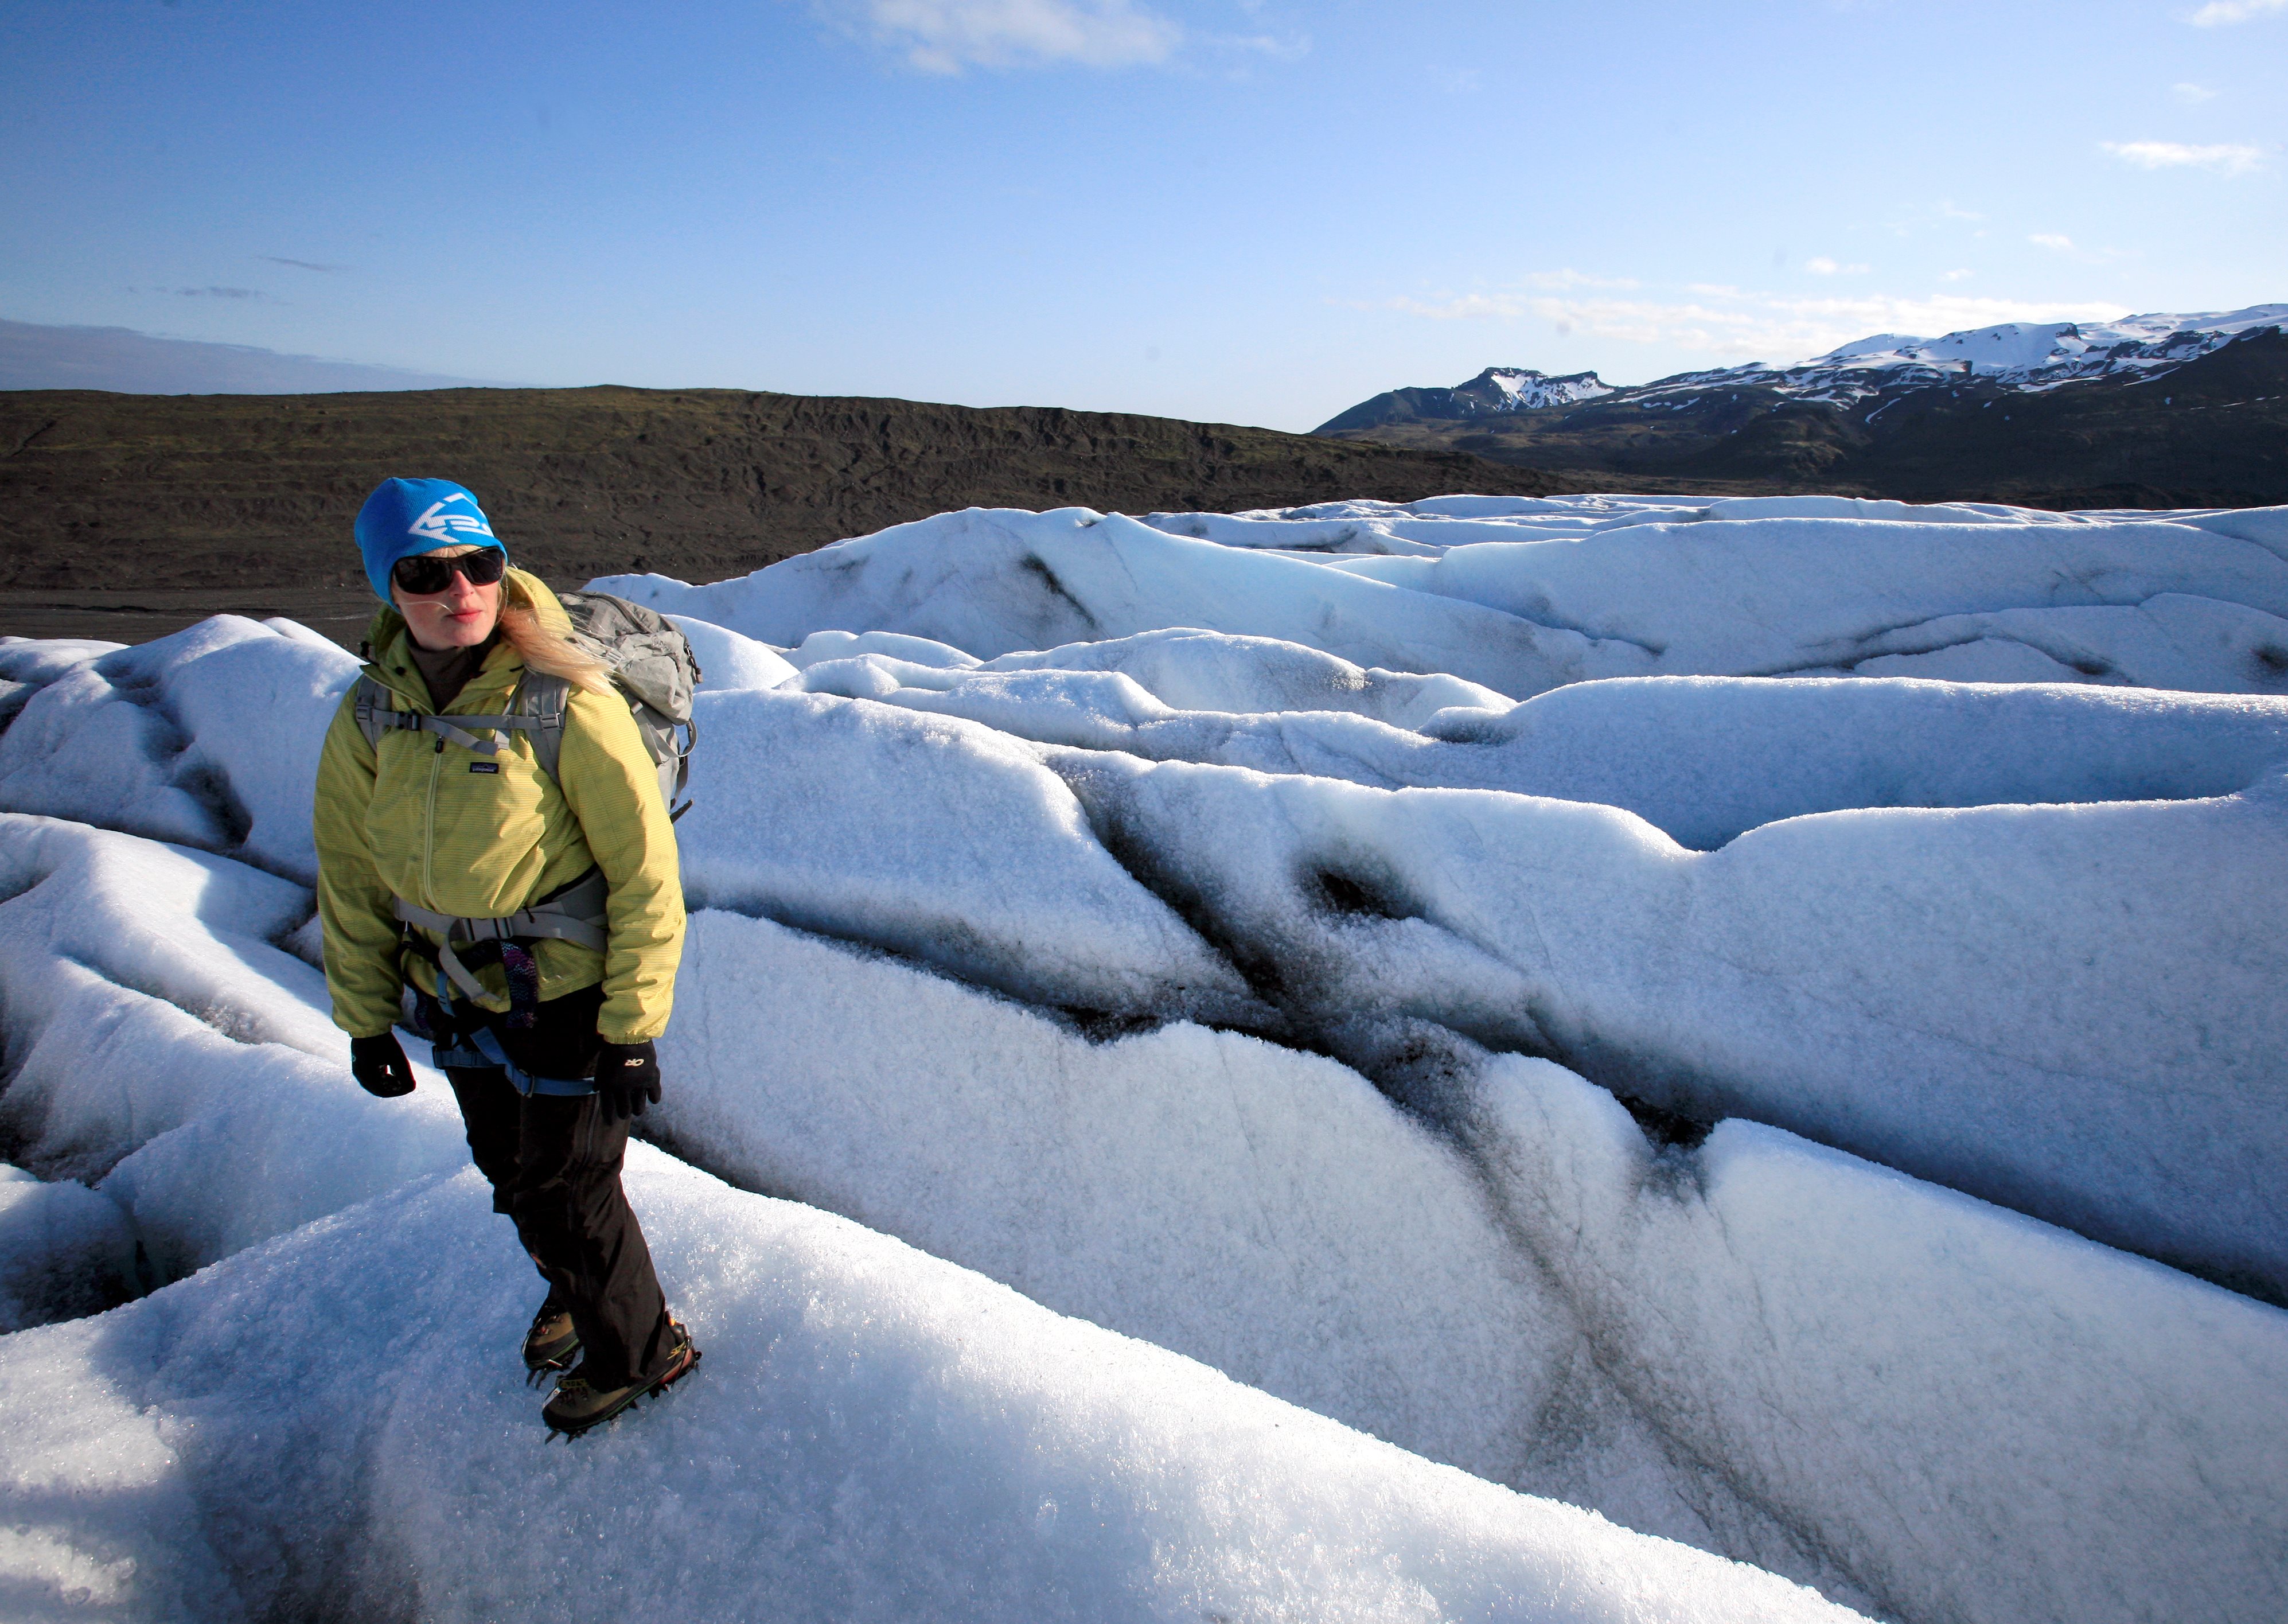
x: 652, y: 666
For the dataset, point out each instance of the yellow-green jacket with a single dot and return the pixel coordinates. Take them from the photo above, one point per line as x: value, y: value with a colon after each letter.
x: 410, y: 819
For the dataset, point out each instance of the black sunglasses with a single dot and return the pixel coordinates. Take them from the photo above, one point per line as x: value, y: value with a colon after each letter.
x: 424, y: 573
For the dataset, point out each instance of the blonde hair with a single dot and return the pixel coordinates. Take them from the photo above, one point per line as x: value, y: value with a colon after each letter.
x: 551, y: 653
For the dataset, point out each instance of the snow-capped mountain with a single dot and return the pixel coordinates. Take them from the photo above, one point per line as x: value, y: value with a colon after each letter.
x: 2026, y: 356
x: 1984, y: 413
x: 1523, y: 389
x: 1495, y: 390
x: 2027, y: 348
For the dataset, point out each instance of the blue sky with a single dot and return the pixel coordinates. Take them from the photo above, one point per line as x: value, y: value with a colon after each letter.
x: 1234, y: 210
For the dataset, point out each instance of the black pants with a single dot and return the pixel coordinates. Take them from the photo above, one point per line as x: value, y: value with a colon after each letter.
x: 555, y: 1166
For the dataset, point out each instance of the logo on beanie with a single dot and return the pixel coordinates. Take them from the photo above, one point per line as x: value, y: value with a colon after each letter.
x: 440, y: 526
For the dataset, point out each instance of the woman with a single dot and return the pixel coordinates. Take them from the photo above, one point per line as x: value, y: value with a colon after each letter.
x: 436, y: 824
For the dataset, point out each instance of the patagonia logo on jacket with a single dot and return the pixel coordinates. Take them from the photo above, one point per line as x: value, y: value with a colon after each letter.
x: 484, y: 767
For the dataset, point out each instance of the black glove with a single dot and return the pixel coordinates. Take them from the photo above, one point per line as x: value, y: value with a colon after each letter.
x: 627, y: 1079
x: 380, y: 1067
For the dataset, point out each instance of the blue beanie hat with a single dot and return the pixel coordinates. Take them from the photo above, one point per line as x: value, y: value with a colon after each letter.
x: 403, y: 517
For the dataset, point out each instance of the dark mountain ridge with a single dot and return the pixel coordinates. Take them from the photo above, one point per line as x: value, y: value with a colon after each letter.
x: 2173, y: 423
x: 171, y: 507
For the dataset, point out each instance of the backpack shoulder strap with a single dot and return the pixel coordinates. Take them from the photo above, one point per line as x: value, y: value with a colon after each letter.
x: 543, y: 697
x: 375, y: 708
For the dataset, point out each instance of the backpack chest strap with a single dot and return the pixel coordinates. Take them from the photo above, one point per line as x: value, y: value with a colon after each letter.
x: 454, y: 728
x: 544, y: 719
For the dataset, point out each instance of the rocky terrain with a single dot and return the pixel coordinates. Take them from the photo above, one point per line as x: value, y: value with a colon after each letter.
x: 128, y: 516
x: 2046, y: 417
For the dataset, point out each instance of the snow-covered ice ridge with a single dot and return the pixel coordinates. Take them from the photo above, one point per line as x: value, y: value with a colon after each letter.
x: 1411, y: 969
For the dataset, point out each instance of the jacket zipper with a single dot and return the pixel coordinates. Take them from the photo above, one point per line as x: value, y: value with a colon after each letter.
x: 429, y: 829
x: 429, y: 822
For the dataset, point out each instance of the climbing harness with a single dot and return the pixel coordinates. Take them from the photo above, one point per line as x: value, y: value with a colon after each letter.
x: 470, y: 1044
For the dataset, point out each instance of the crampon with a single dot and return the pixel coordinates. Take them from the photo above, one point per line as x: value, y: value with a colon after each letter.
x: 576, y: 1407
x: 551, y: 1345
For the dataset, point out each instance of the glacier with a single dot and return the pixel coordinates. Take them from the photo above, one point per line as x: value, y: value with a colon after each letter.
x: 1594, y: 1058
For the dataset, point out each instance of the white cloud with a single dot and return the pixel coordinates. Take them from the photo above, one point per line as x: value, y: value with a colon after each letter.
x: 2192, y: 95
x: 1745, y: 326
x: 1287, y: 48
x: 944, y: 36
x: 2051, y: 239
x: 2175, y: 154
x: 1954, y: 275
x: 1821, y: 266
x: 2217, y: 12
x: 1557, y: 282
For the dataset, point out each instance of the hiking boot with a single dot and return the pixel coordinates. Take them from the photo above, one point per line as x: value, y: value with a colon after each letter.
x: 552, y: 1341
x: 576, y: 1405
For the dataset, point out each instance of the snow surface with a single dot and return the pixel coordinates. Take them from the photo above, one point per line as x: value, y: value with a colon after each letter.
x: 313, y: 1425
x: 1410, y: 968
x: 728, y: 660
x: 64, y: 1251
x: 1760, y: 1346
x: 1706, y: 758
x: 1553, y: 591
x: 208, y: 737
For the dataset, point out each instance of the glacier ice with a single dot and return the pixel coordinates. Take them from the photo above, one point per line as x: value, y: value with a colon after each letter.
x: 1525, y: 596
x: 1416, y: 970
x: 306, y: 1419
